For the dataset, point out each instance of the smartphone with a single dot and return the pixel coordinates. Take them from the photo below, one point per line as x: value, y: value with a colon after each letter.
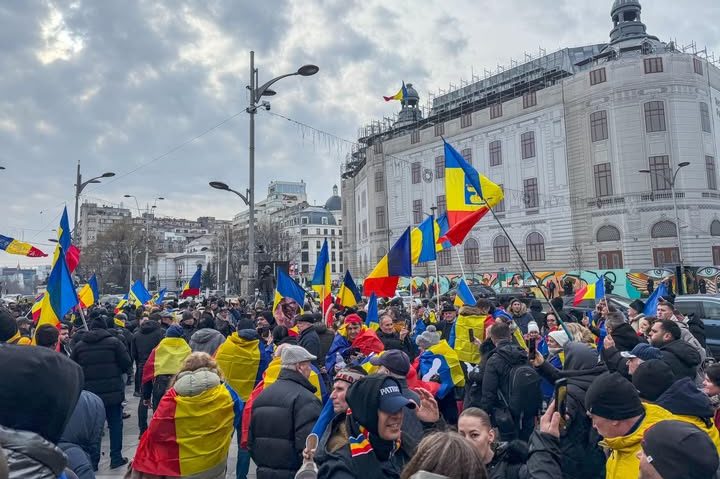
x: 471, y: 335
x: 560, y: 397
x: 532, y: 348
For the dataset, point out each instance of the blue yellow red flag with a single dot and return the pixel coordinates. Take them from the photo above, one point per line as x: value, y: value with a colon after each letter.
x: 140, y: 294
x: 72, y: 254
x: 321, y: 281
x: 384, y: 278
x: 89, y: 294
x: 654, y: 299
x: 13, y: 246
x: 372, y: 321
x: 400, y: 95
x: 349, y: 294
x: 287, y: 288
x: 464, y: 296
x: 424, y: 241
x: 192, y: 287
x: 590, y: 291
x: 60, y: 296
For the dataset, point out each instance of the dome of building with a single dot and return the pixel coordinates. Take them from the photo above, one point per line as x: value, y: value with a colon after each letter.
x: 334, y: 203
x: 315, y: 215
x: 623, y: 3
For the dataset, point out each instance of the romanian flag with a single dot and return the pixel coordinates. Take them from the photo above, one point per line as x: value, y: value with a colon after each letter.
x: 89, y: 294
x: 326, y: 416
x: 37, y: 307
x: 400, y: 95
x: 189, y: 435
x: 192, y: 287
x: 368, y: 342
x: 72, y: 254
x: 424, y: 241
x: 287, y: 288
x: 590, y: 291
x: 440, y: 359
x: 384, y: 278
x: 139, y: 293
x: 13, y: 246
x: 167, y: 358
x: 60, y: 296
x: 371, y: 320
x: 469, y: 195
x: 321, y: 279
x: 466, y: 351
x: 121, y: 304
x: 243, y: 362
x: 464, y: 295
x: 349, y: 294
x: 159, y: 296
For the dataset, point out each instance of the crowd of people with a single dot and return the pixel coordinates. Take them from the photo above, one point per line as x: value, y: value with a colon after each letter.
x: 499, y: 391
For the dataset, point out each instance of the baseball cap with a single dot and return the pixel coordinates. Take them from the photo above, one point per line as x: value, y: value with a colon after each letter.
x: 391, y: 399
x: 396, y: 361
x: 643, y: 351
x: 678, y: 450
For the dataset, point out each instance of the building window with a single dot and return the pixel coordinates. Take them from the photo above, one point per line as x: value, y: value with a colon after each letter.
x: 304, y: 257
x: 698, y: 66
x: 304, y: 245
x: 527, y: 144
x: 530, y: 188
x: 472, y: 251
x: 380, y: 217
x: 444, y: 258
x: 654, y: 116
x: 417, y: 211
x: 467, y: 155
x: 304, y: 231
x: 653, y: 65
x: 318, y: 244
x: 324, y: 221
x: 535, y: 247
x: 597, y: 76
x: 465, y: 120
x: 495, y: 111
x: 305, y: 268
x: 332, y: 243
x: 529, y: 99
x: 599, y: 126
x: 304, y: 220
x: 705, y: 118
x: 496, y: 153
x: 334, y: 268
x: 500, y: 207
x: 439, y: 167
x: 440, y: 129
x: 663, y: 229
x: 607, y: 233
x: 416, y: 173
x: 715, y: 228
x: 377, y: 147
x: 415, y: 136
x: 711, y: 174
x: 660, y: 173
x: 501, y: 250
x: 665, y: 256
x: 441, y: 205
x: 610, y: 259
x: 379, y: 182
x: 603, y: 180
x: 716, y: 255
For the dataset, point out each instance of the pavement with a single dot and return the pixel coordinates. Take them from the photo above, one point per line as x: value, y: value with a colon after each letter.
x: 131, y: 432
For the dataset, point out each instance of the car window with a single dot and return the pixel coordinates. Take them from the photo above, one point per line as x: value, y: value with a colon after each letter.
x: 690, y: 307
x: 712, y: 310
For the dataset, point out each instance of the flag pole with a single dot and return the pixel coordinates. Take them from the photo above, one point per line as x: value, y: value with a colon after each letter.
x: 462, y: 270
x: 437, y: 269
x: 82, y: 316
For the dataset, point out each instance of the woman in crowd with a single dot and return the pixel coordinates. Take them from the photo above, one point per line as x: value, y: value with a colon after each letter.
x: 446, y: 454
x: 711, y: 387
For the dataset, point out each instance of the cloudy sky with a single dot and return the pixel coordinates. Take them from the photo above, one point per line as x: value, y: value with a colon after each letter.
x: 127, y: 85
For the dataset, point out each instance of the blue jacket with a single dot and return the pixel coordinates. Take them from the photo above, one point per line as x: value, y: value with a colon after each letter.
x: 85, y: 427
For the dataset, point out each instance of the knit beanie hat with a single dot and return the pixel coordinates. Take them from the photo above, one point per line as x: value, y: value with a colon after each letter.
x: 560, y: 337
x: 429, y: 337
x: 678, y: 450
x: 533, y: 327
x: 174, y: 331
x: 613, y: 397
x: 652, y: 378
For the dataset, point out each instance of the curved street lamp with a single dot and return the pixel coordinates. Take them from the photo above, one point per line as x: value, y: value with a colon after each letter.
x: 79, y: 187
x: 219, y: 185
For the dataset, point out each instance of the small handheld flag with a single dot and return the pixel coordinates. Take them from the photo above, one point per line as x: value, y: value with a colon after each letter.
x: 464, y: 295
x: 13, y: 246
x: 590, y: 291
x: 287, y: 288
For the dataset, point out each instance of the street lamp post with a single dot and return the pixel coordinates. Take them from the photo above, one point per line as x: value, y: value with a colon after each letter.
x: 146, y: 270
x: 671, y: 180
x: 79, y: 187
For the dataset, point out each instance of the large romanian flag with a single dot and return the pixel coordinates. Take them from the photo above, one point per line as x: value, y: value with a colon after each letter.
x: 243, y: 362
x: 590, y: 291
x: 383, y: 280
x: 192, y: 287
x: 189, y: 434
x: 468, y: 194
x: 13, y: 246
x: 440, y: 359
x: 321, y: 279
x: 72, y: 253
x: 60, y: 296
x: 287, y: 288
x: 167, y: 358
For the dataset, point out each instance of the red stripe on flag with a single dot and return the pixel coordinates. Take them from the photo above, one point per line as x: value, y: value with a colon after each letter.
x: 382, y: 287
x: 579, y: 295
x: 149, y: 369
x: 458, y: 231
x: 162, y: 456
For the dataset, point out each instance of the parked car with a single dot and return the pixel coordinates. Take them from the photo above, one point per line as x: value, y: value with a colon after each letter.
x: 707, y: 308
x: 478, y: 291
x: 405, y: 295
x: 505, y: 294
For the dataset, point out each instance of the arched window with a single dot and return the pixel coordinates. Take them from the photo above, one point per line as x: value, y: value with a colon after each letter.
x: 715, y: 228
x: 608, y: 233
x: 535, y: 247
x: 472, y: 251
x: 380, y: 253
x: 501, y: 250
x: 663, y: 229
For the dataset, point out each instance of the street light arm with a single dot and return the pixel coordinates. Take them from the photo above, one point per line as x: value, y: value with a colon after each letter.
x: 242, y: 197
x: 85, y: 183
x: 258, y: 93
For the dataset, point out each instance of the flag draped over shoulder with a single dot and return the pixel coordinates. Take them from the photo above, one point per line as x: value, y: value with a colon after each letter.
x: 469, y: 195
x: 287, y: 288
x: 590, y: 291
x: 321, y: 282
x: 440, y: 359
x: 464, y: 295
x: 349, y: 294
x: 192, y: 287
x: 466, y: 351
x: 383, y: 280
x: 13, y: 246
x: 189, y: 434
x: 400, y: 95
x: 243, y: 362
x: 654, y: 299
x: 167, y: 358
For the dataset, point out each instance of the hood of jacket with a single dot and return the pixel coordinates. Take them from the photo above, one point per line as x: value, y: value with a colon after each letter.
x: 631, y: 442
x: 685, y: 399
x: 96, y: 335
x: 581, y: 365
x: 29, y: 455
x: 205, y: 335
x: 625, y: 337
x: 149, y: 326
x: 471, y: 311
x: 683, y: 351
x: 194, y: 383
x: 247, y: 335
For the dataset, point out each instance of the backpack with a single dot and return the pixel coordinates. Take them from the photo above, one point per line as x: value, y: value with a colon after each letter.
x: 524, y: 396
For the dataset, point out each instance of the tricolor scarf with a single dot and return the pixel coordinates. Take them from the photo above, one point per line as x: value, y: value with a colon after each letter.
x: 368, y: 452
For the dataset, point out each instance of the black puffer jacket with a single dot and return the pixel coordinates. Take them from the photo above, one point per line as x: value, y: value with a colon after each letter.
x: 310, y: 340
x: 393, y: 341
x: 30, y: 456
x: 509, y: 461
x: 615, y: 362
x: 626, y: 338
x: 581, y: 456
x: 682, y: 358
x: 499, y: 362
x: 85, y: 428
x: 103, y: 359
x: 326, y: 339
x: 145, y: 338
x: 282, y: 417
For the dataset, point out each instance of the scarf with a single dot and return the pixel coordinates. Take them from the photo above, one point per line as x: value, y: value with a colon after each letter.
x: 368, y: 451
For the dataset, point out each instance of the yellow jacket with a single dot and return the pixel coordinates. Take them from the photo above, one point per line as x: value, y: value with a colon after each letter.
x: 623, y: 462
x: 710, y: 429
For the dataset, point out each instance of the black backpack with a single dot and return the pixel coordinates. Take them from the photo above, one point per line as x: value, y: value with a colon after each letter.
x: 524, y: 396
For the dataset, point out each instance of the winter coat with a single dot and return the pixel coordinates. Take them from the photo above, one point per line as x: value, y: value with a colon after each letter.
x: 326, y: 338
x: 77, y: 460
x: 623, y: 462
x: 103, y: 359
x: 509, y: 461
x: 688, y: 404
x: 206, y: 340
x: 682, y: 358
x: 615, y: 362
x: 28, y: 455
x: 188, y: 331
x: 310, y: 340
x: 473, y: 384
x: 499, y: 363
x: 523, y: 320
x: 393, y: 341
x: 145, y: 338
x: 224, y: 327
x: 282, y: 417
x: 544, y: 456
x: 625, y: 337
x: 85, y: 429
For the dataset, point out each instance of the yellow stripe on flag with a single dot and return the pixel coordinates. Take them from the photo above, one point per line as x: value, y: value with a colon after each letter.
x: 170, y: 355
